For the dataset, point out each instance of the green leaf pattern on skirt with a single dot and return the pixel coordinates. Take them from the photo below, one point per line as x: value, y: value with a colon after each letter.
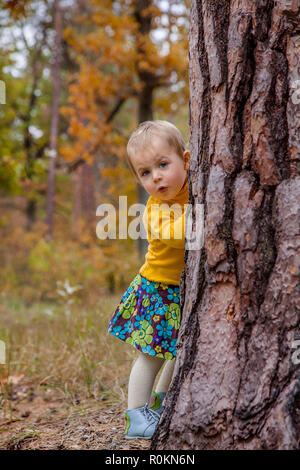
x: 148, y: 317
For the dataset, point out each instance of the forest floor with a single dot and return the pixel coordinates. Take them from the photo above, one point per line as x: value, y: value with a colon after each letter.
x: 40, y: 419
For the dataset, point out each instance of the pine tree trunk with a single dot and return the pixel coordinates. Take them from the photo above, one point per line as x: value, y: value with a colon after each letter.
x: 236, y: 384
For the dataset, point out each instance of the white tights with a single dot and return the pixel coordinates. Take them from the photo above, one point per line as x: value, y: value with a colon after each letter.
x: 142, y: 378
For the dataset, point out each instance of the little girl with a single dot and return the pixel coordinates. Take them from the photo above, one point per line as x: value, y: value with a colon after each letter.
x: 148, y: 315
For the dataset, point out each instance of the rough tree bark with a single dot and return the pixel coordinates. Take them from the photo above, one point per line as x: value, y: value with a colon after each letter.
x: 236, y: 385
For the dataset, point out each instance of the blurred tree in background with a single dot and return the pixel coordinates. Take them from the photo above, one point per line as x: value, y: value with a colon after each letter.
x: 121, y: 62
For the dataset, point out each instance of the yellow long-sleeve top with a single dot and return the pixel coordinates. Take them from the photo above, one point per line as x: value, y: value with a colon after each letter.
x: 164, y: 222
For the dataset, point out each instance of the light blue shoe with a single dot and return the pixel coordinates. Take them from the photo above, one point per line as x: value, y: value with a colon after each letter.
x: 140, y: 423
x: 158, y: 404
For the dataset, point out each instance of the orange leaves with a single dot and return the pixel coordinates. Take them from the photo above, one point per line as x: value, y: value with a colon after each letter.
x: 17, y: 8
x: 67, y: 152
x: 113, y: 54
x: 152, y: 10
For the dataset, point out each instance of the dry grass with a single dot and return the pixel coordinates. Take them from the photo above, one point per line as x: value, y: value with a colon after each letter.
x: 64, y: 347
x: 64, y: 384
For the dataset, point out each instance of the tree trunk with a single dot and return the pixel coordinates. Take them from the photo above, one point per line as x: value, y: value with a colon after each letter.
x: 54, y: 117
x: 76, y: 205
x: 88, y: 196
x: 84, y: 205
x: 31, y: 212
x: 236, y: 384
x: 148, y: 83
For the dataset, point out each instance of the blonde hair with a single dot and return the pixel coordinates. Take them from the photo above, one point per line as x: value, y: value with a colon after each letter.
x: 143, y: 134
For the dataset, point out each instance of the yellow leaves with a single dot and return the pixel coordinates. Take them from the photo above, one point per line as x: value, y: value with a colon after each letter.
x: 112, y: 54
x: 67, y: 152
x: 152, y: 10
x: 177, y: 59
x: 118, y: 139
x: 74, y: 40
x: 144, y: 66
x: 17, y: 8
x: 163, y: 103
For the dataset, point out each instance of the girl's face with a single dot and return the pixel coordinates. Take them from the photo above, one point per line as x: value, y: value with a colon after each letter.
x: 161, y: 171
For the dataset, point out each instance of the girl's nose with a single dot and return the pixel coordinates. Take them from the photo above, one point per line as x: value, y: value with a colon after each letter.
x: 156, y: 175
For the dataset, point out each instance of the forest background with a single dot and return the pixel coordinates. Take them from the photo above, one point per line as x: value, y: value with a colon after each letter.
x: 59, y: 283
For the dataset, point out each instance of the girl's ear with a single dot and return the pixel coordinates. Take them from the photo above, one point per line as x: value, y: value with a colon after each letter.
x: 186, y: 159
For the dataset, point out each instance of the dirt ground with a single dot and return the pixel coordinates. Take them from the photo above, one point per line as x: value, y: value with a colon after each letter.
x: 39, y: 419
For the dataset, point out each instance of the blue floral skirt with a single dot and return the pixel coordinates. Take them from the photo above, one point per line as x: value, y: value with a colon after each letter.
x: 148, y: 317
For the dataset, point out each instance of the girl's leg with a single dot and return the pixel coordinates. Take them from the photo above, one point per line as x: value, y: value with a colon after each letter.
x: 141, y: 380
x: 165, y: 377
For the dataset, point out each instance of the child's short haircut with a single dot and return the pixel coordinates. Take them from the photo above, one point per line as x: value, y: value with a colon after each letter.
x: 143, y: 134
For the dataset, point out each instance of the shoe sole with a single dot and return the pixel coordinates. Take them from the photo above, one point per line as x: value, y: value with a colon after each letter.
x: 137, y: 437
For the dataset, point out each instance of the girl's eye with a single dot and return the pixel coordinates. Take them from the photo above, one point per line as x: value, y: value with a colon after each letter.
x: 163, y: 164
x: 145, y: 173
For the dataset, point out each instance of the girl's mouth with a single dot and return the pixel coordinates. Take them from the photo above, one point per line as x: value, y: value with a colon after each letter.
x: 162, y: 189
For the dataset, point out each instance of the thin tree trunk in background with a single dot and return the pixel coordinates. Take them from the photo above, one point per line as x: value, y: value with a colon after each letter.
x: 236, y: 383
x: 32, y: 153
x: 145, y: 98
x: 30, y: 213
x: 76, y: 206
x: 84, y: 204
x: 54, y: 116
x: 88, y: 195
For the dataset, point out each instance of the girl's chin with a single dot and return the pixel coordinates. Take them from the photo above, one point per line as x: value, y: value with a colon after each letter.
x: 163, y: 194
x: 166, y: 195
